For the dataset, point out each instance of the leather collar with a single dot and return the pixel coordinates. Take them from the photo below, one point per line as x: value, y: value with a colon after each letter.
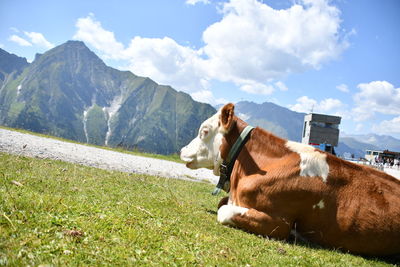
x: 227, y: 165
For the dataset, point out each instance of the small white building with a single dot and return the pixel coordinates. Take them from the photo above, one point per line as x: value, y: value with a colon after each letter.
x: 370, y: 155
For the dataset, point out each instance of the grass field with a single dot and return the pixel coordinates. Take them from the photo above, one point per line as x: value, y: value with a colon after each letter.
x: 58, y: 214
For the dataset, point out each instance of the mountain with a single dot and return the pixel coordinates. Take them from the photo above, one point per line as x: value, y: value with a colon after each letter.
x: 353, y: 146
x: 381, y: 142
x: 278, y: 120
x: 10, y: 66
x: 69, y: 92
x: 360, y: 143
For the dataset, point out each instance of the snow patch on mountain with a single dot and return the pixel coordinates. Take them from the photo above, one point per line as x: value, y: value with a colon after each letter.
x: 115, y: 105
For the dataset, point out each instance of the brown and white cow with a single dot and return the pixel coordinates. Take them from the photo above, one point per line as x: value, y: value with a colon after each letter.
x: 278, y: 186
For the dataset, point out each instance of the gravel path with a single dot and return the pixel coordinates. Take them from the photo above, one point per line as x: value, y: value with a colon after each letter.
x: 41, y: 147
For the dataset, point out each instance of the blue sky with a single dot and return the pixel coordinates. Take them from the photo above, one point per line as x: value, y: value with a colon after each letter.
x: 338, y: 57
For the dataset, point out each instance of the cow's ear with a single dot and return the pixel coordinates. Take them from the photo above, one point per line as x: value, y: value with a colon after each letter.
x: 226, y: 117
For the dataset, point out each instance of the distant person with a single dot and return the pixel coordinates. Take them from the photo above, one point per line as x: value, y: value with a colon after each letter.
x: 397, y: 163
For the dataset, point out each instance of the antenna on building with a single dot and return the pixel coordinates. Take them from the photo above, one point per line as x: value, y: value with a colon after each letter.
x: 312, y: 109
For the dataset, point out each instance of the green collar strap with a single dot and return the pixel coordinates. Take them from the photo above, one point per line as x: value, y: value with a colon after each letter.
x: 227, y: 166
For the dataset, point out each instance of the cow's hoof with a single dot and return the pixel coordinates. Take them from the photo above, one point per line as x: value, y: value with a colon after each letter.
x: 226, y: 213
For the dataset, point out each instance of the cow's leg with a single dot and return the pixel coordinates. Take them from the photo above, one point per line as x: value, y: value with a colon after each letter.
x: 254, y: 221
x: 223, y: 201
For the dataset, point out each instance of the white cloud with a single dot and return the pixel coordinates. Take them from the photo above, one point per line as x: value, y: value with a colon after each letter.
x: 252, y: 46
x: 35, y: 38
x: 20, y: 41
x: 194, y: 2
x: 256, y: 42
x: 330, y: 104
x: 281, y: 86
x: 306, y: 104
x: 343, y: 87
x: 161, y: 59
x: 377, y: 96
x: 206, y: 96
x: 388, y: 126
x: 91, y: 32
x: 38, y: 39
x: 203, y: 96
x: 257, y: 88
x: 167, y: 62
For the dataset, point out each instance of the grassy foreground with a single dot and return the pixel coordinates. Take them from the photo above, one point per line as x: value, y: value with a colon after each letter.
x: 58, y: 214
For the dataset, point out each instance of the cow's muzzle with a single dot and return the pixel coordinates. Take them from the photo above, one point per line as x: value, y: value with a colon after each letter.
x: 189, y: 160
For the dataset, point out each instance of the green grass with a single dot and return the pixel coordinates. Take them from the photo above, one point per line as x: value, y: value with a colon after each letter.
x: 68, y: 215
x: 172, y: 157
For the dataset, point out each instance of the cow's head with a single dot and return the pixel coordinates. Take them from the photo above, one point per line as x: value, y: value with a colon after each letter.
x: 203, y: 151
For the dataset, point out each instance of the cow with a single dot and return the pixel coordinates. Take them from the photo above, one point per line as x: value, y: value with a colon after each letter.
x: 278, y: 187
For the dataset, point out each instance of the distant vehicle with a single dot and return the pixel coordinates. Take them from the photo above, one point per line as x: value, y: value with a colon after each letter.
x: 370, y: 155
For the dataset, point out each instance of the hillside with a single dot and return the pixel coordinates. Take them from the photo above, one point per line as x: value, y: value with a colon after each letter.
x: 10, y: 65
x: 376, y: 141
x: 69, y: 92
x: 276, y: 119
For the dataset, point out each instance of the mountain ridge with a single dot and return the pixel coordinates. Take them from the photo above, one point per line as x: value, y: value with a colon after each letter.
x: 10, y: 66
x: 383, y: 141
x: 272, y: 117
x: 69, y: 92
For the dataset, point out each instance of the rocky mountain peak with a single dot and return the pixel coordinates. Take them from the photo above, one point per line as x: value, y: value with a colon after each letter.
x: 74, y: 52
x: 68, y: 91
x: 10, y: 62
